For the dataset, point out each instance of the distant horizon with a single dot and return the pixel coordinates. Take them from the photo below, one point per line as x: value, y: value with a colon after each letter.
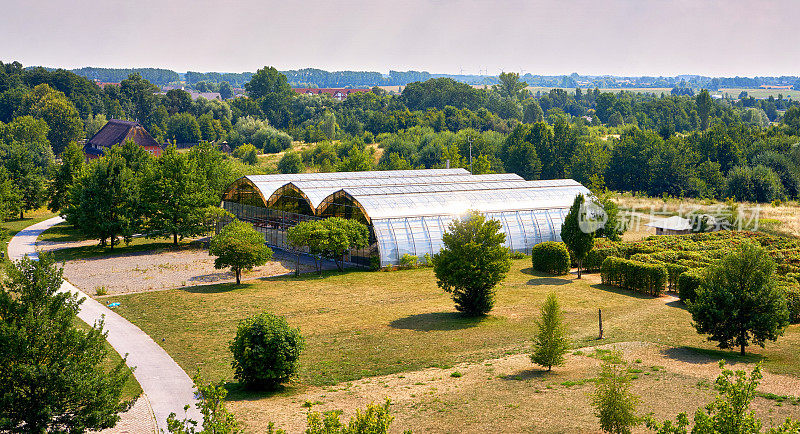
x: 624, y: 38
x: 465, y: 73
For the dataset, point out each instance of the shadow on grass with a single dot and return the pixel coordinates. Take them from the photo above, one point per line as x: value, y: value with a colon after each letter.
x: 98, y: 252
x: 440, y: 321
x: 527, y: 374
x: 696, y: 355
x: 621, y: 291
x: 549, y: 281
x: 677, y: 304
x: 237, y: 392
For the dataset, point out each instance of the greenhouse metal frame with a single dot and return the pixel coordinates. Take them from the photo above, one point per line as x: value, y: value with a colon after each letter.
x: 407, y: 211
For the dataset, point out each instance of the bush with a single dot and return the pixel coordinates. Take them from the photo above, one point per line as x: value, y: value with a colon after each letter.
x: 516, y: 254
x: 550, y: 257
x: 634, y: 275
x: 753, y: 184
x: 792, y: 293
x: 473, y: 261
x: 291, y: 162
x: 265, y: 351
x: 688, y: 283
x: 408, y: 261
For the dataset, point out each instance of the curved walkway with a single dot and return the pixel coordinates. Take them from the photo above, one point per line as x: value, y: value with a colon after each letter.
x: 166, y: 385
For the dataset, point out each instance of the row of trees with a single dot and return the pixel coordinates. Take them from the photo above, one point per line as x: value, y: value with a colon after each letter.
x: 128, y: 192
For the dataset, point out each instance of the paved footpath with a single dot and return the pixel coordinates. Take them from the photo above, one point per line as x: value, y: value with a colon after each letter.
x: 165, y: 384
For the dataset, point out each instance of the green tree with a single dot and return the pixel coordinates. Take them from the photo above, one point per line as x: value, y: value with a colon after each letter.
x: 473, y: 261
x: 175, y: 196
x: 93, y: 124
x: 71, y: 165
x: 291, y: 162
x: 576, y: 233
x: 177, y: 101
x: 225, y: 90
x: 64, y: 121
x: 10, y: 200
x: 247, y: 153
x: 532, y: 111
x: 52, y: 372
x: 272, y: 92
x: 704, y: 106
x: 738, y: 302
x: 211, y: 403
x: 26, y: 155
x: 104, y: 200
x: 510, y: 86
x: 183, y: 128
x: 213, y: 168
x: 551, y: 342
x: 340, y: 235
x: 519, y: 154
x: 140, y: 94
x: 614, y: 403
x: 239, y: 246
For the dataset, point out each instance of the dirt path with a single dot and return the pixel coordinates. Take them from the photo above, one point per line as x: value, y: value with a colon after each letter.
x: 510, y: 394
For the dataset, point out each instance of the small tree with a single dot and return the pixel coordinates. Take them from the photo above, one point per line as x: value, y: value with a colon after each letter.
x: 472, y: 262
x: 291, y: 162
x: 577, y: 231
x: 738, y: 301
x: 265, y: 351
x: 340, y: 236
x: 551, y: 342
x: 71, y: 165
x: 239, y: 246
x: 52, y: 373
x: 247, y: 153
x: 211, y: 403
x: 612, y: 399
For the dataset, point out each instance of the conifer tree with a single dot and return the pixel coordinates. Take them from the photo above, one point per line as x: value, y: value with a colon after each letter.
x: 551, y: 342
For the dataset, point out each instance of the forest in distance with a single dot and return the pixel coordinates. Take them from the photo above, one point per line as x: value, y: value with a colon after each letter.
x: 676, y: 144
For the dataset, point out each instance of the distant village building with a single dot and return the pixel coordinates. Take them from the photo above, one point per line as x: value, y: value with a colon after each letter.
x: 677, y: 225
x: 103, y: 85
x: 117, y: 131
x: 337, y: 93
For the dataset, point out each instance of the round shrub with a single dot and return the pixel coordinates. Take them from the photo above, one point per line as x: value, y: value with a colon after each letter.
x: 265, y: 351
x: 550, y: 257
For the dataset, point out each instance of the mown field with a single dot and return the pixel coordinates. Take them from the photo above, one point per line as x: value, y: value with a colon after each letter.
x: 361, y: 324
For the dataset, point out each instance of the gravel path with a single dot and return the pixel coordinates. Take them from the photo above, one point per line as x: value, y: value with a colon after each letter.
x: 165, y: 384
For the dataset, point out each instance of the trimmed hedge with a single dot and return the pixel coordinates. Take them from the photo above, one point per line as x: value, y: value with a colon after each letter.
x: 634, y: 275
x: 550, y: 257
x: 688, y: 283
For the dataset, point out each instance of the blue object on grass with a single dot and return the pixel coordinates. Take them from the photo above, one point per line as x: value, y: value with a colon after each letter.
x: 114, y: 304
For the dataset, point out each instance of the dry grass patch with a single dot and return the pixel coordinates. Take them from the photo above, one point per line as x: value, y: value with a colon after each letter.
x: 508, y: 394
x: 364, y: 324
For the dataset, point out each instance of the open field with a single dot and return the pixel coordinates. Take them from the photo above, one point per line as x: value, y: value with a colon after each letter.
x: 510, y: 395
x: 363, y: 325
x: 380, y: 323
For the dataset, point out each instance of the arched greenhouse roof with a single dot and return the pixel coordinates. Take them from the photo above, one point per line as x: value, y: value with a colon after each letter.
x: 425, y: 192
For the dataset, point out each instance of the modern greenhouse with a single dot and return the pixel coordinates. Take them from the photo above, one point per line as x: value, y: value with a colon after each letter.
x: 406, y: 210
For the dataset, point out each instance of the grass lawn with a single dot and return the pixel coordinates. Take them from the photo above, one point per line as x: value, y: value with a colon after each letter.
x: 361, y: 324
x: 61, y: 233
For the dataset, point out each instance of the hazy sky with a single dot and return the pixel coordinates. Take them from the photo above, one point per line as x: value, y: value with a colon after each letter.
x: 621, y: 37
